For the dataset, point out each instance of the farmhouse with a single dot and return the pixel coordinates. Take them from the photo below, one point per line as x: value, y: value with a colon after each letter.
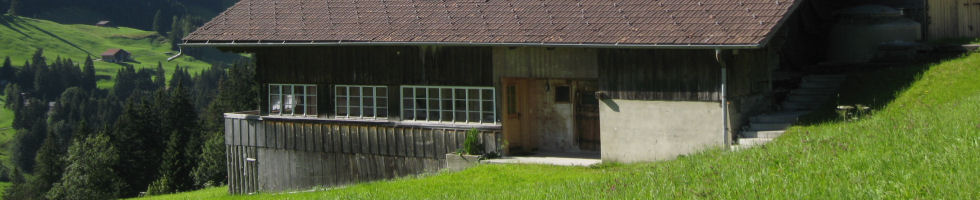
x: 115, y: 55
x: 363, y: 90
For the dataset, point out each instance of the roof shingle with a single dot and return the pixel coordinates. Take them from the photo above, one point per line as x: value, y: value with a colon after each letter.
x: 641, y: 22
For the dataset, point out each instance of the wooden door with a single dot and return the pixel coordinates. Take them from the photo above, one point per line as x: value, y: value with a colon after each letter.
x: 515, y: 118
x: 586, y: 116
x: 969, y: 18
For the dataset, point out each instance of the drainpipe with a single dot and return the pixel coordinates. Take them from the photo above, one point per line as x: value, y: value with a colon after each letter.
x: 724, y: 93
x: 180, y: 52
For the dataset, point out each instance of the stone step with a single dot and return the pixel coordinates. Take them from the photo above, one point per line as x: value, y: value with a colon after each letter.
x: 774, y: 119
x: 768, y: 126
x: 815, y: 91
x: 825, y: 78
x: 797, y: 107
x: 753, y: 142
x: 820, y: 98
x: 818, y: 85
x: 762, y: 134
x: 803, y: 103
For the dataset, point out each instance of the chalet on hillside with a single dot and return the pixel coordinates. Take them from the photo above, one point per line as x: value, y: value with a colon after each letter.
x: 104, y: 23
x: 115, y: 56
x: 363, y: 90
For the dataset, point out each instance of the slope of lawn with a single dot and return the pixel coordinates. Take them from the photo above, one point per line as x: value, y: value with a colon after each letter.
x: 921, y: 142
x: 21, y: 36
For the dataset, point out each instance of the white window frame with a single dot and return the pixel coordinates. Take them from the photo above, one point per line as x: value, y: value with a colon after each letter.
x: 374, y: 98
x: 293, y: 88
x: 480, y: 98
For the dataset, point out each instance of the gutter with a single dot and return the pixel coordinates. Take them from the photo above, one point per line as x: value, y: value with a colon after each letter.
x: 342, y: 43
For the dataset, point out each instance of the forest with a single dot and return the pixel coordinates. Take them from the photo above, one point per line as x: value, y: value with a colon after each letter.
x: 149, y: 134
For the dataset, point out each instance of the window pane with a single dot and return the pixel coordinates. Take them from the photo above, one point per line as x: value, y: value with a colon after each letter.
x: 460, y: 105
x: 474, y: 94
x: 382, y: 91
x: 409, y: 114
x: 408, y: 104
x: 488, y: 117
x: 311, y: 100
x: 275, y: 104
x: 447, y: 104
x: 474, y: 117
x: 473, y: 106
x: 290, y: 104
x: 420, y: 93
x: 382, y: 102
x: 487, y: 94
x: 355, y: 91
x: 433, y: 93
x: 420, y: 115
x: 341, y: 91
x: 382, y: 112
x: 311, y: 110
x: 487, y: 106
x: 368, y: 112
x: 311, y: 90
x: 434, y: 115
x: 368, y: 101
x: 355, y: 101
x: 460, y: 94
x: 354, y: 111
x: 460, y: 116
x: 447, y: 116
x: 408, y: 92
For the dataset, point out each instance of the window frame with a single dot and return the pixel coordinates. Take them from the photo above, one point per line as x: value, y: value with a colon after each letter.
x: 428, y: 99
x: 361, y: 96
x: 306, y: 106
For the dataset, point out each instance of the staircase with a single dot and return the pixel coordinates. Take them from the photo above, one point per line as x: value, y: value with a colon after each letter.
x: 814, y: 91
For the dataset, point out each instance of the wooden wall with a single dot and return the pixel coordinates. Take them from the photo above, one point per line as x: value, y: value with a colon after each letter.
x: 372, y: 65
x: 298, y: 154
x: 675, y: 75
x: 953, y: 18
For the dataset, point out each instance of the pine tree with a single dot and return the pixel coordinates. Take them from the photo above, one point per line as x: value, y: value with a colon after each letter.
x: 158, y: 22
x: 210, y: 170
x: 49, y: 164
x: 138, y: 137
x: 184, y: 143
x: 6, y: 73
x: 89, y: 173
x: 159, y: 79
x: 176, y: 33
x: 26, y: 144
x: 88, y: 72
x: 15, y: 7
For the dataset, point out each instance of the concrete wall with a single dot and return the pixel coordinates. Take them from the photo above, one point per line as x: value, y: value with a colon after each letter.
x: 637, y: 131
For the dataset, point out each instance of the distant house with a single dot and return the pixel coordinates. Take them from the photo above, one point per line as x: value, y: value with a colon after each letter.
x: 115, y: 55
x: 104, y: 23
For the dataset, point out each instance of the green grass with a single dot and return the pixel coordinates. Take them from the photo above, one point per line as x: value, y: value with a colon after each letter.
x: 923, y: 142
x: 21, y: 36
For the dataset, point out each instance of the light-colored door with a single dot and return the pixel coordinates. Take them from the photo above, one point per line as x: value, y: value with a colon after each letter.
x: 516, y: 128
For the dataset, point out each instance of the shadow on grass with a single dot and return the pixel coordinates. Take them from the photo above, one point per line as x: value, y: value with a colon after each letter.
x: 7, y: 20
x: 873, y: 87
x: 59, y: 38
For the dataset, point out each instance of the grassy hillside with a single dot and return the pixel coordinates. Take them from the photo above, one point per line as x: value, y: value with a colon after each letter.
x: 922, y: 141
x: 22, y: 36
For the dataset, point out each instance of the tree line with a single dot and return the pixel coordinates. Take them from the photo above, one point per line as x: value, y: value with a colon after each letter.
x: 147, y: 133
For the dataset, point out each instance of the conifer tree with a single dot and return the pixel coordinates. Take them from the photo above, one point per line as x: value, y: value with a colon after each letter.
x: 184, y: 143
x: 6, y: 73
x: 89, y: 173
x: 15, y: 7
x: 158, y: 22
x: 49, y: 164
x: 88, y: 72
x: 138, y: 137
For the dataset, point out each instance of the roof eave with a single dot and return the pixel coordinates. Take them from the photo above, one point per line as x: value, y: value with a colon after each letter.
x: 233, y: 44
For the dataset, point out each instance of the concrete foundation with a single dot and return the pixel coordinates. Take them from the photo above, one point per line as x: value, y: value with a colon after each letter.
x: 637, y: 131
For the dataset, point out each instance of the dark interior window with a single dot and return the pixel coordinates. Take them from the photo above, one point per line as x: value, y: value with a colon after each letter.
x: 563, y: 94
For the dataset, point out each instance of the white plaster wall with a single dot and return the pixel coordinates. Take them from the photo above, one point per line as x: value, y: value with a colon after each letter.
x: 638, y: 131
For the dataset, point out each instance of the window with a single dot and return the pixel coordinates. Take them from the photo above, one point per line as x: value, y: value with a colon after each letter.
x: 292, y: 99
x: 360, y: 101
x: 449, y: 104
x: 563, y: 94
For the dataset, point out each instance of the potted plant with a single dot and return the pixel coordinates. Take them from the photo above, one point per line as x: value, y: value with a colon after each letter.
x: 469, y: 155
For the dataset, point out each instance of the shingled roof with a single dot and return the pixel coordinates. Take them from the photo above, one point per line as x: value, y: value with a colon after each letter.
x: 496, y: 22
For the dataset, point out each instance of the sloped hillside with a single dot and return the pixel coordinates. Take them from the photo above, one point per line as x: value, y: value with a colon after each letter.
x: 20, y: 37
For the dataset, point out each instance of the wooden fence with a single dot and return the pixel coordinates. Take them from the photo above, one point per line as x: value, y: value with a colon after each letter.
x: 284, y: 154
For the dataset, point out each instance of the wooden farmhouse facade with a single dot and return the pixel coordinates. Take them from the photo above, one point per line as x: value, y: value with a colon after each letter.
x: 364, y: 90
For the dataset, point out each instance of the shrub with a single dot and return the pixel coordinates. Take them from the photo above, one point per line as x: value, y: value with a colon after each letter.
x: 472, y: 144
